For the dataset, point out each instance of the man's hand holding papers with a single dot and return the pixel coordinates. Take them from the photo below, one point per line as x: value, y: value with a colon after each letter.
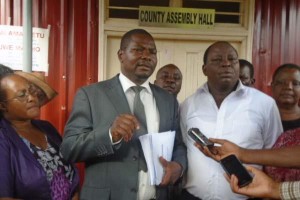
x: 158, y: 148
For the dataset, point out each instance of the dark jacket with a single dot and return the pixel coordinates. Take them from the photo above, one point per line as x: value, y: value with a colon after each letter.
x: 112, y: 173
x: 21, y: 175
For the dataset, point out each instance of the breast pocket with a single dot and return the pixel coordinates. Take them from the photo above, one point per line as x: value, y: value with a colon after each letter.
x: 205, y: 125
x: 243, y: 131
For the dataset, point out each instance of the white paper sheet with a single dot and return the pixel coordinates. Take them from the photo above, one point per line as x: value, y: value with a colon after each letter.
x: 155, y: 145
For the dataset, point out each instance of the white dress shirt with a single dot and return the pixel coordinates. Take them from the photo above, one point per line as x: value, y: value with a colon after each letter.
x: 146, y: 191
x: 247, y: 117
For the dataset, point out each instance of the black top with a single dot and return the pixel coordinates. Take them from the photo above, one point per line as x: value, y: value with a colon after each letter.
x: 291, y: 124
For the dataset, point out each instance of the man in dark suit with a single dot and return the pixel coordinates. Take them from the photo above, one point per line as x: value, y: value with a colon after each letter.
x: 103, y: 132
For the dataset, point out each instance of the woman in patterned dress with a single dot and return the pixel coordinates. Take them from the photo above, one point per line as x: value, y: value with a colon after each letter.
x: 286, y: 92
x: 31, y: 165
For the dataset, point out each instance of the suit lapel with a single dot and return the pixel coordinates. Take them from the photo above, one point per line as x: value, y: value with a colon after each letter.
x: 117, y: 96
x: 162, y: 107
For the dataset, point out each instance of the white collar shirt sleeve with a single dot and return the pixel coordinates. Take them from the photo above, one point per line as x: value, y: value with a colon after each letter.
x: 247, y: 117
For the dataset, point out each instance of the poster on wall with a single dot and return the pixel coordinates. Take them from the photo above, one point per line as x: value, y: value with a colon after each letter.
x: 11, y: 47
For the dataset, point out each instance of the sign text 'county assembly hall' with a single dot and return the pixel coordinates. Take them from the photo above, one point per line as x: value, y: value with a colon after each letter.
x: 176, y: 17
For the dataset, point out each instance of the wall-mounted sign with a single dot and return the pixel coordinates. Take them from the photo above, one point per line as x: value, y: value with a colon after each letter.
x: 11, y: 47
x: 176, y: 17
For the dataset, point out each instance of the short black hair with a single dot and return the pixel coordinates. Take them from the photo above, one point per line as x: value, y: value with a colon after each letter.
x: 167, y: 65
x: 244, y: 62
x: 285, y: 66
x: 126, y: 38
x: 207, y: 50
x: 4, y: 72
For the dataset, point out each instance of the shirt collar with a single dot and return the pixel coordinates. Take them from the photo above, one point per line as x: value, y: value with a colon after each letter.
x: 240, y: 89
x: 127, y: 83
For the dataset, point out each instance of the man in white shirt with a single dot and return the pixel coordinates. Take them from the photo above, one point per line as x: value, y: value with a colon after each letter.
x: 224, y: 108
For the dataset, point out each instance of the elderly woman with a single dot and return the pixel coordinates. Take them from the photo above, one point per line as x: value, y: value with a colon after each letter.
x: 286, y: 92
x: 31, y: 164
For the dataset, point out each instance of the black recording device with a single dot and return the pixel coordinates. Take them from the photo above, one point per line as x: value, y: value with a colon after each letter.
x: 232, y: 165
x: 198, y: 137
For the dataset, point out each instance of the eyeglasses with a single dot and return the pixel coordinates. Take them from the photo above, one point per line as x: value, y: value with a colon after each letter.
x: 23, y: 95
x: 282, y: 83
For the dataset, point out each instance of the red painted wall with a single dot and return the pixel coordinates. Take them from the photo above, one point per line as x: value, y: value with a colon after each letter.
x: 276, y: 38
x: 73, y: 47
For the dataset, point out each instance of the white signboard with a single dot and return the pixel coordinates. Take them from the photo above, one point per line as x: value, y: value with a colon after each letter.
x: 11, y: 47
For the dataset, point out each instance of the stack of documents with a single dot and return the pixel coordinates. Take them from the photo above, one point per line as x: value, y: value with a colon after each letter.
x: 155, y: 145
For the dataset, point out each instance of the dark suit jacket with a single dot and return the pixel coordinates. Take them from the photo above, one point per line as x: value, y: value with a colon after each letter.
x: 112, y: 173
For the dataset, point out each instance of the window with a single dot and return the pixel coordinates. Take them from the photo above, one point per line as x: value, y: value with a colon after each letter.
x: 130, y: 9
x: 227, y: 11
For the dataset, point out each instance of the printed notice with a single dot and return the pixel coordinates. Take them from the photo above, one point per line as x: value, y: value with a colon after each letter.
x: 11, y: 47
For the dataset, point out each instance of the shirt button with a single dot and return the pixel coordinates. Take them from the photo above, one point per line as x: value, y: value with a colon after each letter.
x: 134, y: 158
x: 133, y: 190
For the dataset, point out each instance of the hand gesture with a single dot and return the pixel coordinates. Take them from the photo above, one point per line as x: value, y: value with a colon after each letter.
x: 172, y: 170
x: 223, y: 149
x: 124, y: 127
x: 261, y: 186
